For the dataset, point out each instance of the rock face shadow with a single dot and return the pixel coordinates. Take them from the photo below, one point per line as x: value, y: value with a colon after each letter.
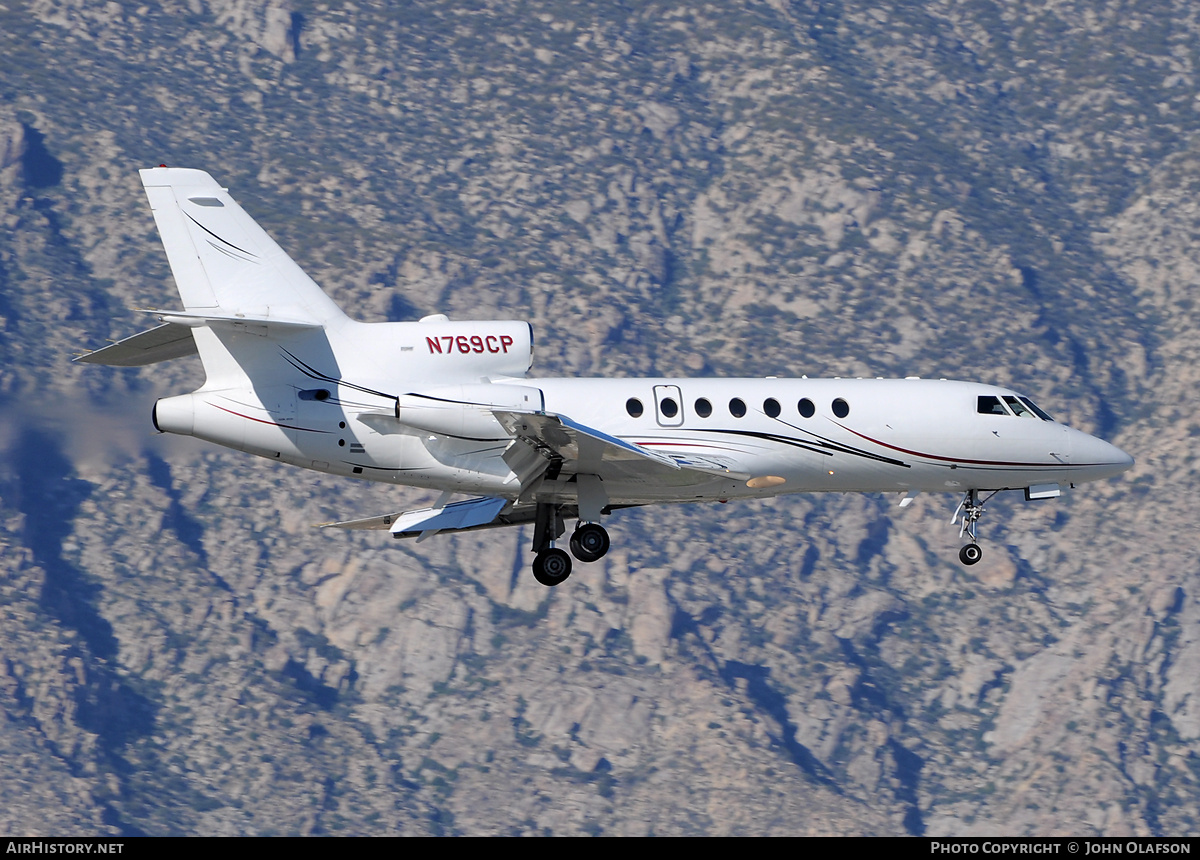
x: 40, y: 169
x: 49, y: 494
x: 178, y: 519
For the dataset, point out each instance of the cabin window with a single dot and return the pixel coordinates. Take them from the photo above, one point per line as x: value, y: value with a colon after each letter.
x: 634, y: 407
x: 990, y: 405
x: 668, y: 407
x: 841, y: 408
x: 737, y: 407
x: 771, y: 407
x: 806, y: 408
x: 703, y: 408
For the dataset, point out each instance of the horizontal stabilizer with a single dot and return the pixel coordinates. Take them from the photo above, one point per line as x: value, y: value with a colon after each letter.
x: 195, y: 320
x: 162, y: 343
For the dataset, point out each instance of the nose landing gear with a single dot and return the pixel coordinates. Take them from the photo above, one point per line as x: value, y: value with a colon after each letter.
x: 971, y: 509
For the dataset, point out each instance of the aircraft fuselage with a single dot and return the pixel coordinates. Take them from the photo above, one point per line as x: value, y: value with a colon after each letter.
x: 776, y: 435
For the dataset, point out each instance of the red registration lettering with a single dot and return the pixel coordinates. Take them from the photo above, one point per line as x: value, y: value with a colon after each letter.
x: 464, y: 344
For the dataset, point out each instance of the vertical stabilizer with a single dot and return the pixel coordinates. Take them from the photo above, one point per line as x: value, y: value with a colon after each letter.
x: 223, y: 262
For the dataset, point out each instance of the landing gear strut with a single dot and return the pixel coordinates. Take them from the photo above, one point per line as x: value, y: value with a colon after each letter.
x: 589, y: 542
x: 971, y: 509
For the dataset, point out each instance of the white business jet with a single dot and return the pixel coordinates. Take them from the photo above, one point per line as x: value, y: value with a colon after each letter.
x: 447, y: 405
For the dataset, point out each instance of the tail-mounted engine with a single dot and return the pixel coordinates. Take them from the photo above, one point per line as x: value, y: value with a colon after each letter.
x: 471, y: 350
x: 465, y: 411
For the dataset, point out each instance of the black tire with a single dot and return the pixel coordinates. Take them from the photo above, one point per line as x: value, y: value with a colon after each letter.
x: 970, y: 554
x: 551, y: 567
x: 589, y: 542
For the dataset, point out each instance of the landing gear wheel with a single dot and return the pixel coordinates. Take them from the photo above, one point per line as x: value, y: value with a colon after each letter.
x: 590, y: 542
x: 551, y: 566
x: 970, y: 554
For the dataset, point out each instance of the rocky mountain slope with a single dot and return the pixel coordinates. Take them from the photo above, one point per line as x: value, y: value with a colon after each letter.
x: 1000, y: 192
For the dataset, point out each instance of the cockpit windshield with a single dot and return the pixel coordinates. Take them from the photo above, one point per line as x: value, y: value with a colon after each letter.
x: 1010, y: 404
x: 1019, y: 409
x: 989, y: 405
x: 1045, y: 416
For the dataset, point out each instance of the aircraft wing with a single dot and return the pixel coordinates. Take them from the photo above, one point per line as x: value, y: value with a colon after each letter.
x: 559, y: 437
x: 543, y: 440
x: 164, y: 342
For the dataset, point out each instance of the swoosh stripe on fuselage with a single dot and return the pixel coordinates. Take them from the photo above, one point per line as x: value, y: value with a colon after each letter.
x: 963, y: 460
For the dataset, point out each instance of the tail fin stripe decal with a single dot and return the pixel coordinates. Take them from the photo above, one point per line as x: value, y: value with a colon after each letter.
x: 218, y: 238
x: 229, y: 254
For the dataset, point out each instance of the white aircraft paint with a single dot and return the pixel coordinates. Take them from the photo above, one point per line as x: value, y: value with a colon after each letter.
x: 448, y: 405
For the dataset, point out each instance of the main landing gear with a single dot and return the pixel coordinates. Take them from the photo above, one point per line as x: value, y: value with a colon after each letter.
x: 971, y: 509
x: 590, y: 542
x: 552, y: 565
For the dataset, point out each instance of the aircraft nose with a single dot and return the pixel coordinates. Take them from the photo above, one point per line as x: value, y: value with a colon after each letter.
x: 1101, y: 459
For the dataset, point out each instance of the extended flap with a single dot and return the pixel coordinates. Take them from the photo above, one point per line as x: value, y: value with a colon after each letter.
x: 469, y: 513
